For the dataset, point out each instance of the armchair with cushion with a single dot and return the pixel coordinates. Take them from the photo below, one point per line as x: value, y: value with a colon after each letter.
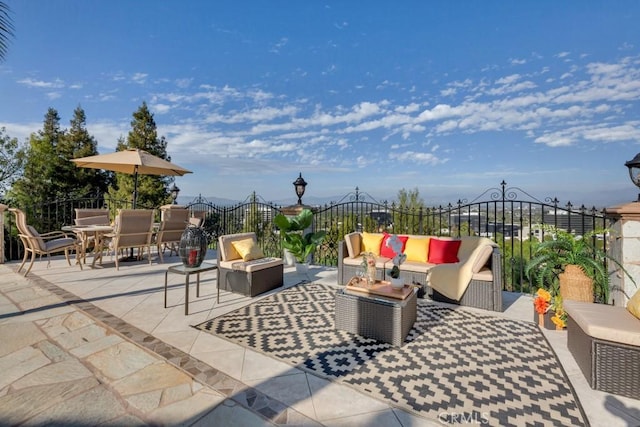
x: 43, y: 244
x: 243, y: 268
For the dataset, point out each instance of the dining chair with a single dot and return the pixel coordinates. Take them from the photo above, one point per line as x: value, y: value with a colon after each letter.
x: 43, y: 244
x: 133, y: 229
x: 168, y: 237
x: 91, y: 216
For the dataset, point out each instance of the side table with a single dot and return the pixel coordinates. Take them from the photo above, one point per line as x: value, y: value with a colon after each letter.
x: 181, y: 269
x: 374, y: 316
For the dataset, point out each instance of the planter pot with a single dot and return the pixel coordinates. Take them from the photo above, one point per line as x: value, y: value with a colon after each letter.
x: 544, y: 320
x: 575, y: 284
x: 289, y: 259
x: 397, y: 283
x: 302, y: 268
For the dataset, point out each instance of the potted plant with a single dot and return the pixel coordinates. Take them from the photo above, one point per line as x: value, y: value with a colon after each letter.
x: 300, y: 245
x: 396, y: 245
x: 554, y: 258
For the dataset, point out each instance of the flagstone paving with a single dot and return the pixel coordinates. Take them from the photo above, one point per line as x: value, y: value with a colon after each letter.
x: 59, y: 365
x: 96, y: 347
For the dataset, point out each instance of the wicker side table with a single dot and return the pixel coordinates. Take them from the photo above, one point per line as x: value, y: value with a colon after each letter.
x: 385, y: 319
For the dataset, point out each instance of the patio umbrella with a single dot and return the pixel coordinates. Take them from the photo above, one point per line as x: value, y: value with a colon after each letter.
x: 132, y: 161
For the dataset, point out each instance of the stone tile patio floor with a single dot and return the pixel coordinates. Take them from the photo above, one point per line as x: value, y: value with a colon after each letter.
x: 96, y: 347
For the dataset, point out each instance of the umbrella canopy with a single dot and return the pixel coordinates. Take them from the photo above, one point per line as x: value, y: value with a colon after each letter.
x: 133, y: 162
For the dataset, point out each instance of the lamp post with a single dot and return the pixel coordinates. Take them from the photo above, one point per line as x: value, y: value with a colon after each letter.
x: 634, y: 171
x: 299, y: 184
x: 174, y: 190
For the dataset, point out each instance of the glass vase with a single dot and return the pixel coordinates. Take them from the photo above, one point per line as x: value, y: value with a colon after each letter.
x: 371, y: 275
x: 193, y: 246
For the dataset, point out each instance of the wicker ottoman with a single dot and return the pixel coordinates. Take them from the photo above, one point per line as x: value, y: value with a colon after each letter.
x: 385, y: 319
x: 594, y: 337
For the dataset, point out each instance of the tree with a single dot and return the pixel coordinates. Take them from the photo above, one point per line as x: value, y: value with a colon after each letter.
x: 12, y: 158
x: 152, y: 189
x: 39, y: 182
x: 406, y: 217
x: 79, y: 182
x: 6, y: 29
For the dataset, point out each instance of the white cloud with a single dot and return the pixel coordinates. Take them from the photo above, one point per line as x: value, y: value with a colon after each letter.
x: 139, y: 78
x: 55, y: 84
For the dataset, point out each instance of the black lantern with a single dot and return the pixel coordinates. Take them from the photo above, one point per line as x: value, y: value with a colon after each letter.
x: 634, y: 171
x: 299, y: 185
x: 174, y: 190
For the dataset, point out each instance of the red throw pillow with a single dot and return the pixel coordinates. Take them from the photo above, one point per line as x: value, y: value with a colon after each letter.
x: 386, y: 251
x: 443, y: 251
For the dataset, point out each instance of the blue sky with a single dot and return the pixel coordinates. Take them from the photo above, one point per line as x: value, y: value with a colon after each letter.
x: 450, y: 97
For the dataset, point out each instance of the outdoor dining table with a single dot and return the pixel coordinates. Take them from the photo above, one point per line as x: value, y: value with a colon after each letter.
x: 84, y: 233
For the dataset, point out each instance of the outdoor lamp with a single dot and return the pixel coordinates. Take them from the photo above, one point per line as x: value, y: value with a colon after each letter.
x: 299, y: 185
x: 174, y: 190
x: 634, y: 171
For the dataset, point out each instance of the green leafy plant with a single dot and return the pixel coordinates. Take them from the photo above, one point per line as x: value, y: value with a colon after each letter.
x: 550, y: 258
x: 298, y: 244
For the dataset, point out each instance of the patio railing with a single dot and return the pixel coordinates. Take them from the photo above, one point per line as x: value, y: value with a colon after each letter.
x: 508, y: 215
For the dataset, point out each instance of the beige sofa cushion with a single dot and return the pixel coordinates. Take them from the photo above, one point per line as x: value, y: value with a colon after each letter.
x: 605, y: 322
x: 452, y: 280
x: 227, y: 251
x: 381, y: 262
x: 354, y: 248
x: 481, y: 258
x: 250, y: 266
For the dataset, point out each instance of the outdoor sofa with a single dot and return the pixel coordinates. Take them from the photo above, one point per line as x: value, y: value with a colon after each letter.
x: 465, y: 271
x: 605, y: 342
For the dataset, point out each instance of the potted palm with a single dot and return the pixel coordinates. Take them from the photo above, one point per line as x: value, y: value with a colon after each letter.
x: 301, y: 245
x: 555, y: 261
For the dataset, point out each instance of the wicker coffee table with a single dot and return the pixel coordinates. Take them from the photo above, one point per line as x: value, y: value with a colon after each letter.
x: 374, y: 315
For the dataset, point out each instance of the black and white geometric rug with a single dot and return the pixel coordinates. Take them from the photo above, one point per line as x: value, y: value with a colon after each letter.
x: 454, y: 363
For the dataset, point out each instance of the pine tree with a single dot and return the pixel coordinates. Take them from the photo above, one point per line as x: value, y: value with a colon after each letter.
x: 80, y: 182
x: 152, y: 189
x: 39, y: 182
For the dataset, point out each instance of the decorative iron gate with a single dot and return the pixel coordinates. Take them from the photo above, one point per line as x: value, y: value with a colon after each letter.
x: 508, y: 215
x: 250, y: 215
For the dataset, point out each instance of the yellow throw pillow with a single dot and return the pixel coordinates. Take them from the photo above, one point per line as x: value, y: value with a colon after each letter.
x: 633, y: 305
x: 417, y: 249
x: 371, y: 242
x: 248, y: 249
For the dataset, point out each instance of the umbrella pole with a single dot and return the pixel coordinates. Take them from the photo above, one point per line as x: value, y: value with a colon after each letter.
x: 134, y: 202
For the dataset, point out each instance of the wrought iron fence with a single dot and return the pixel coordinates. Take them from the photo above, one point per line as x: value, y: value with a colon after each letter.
x: 508, y: 215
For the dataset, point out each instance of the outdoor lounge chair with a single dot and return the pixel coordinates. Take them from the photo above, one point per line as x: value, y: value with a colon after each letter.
x: 134, y: 229
x: 43, y: 244
x: 243, y: 269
